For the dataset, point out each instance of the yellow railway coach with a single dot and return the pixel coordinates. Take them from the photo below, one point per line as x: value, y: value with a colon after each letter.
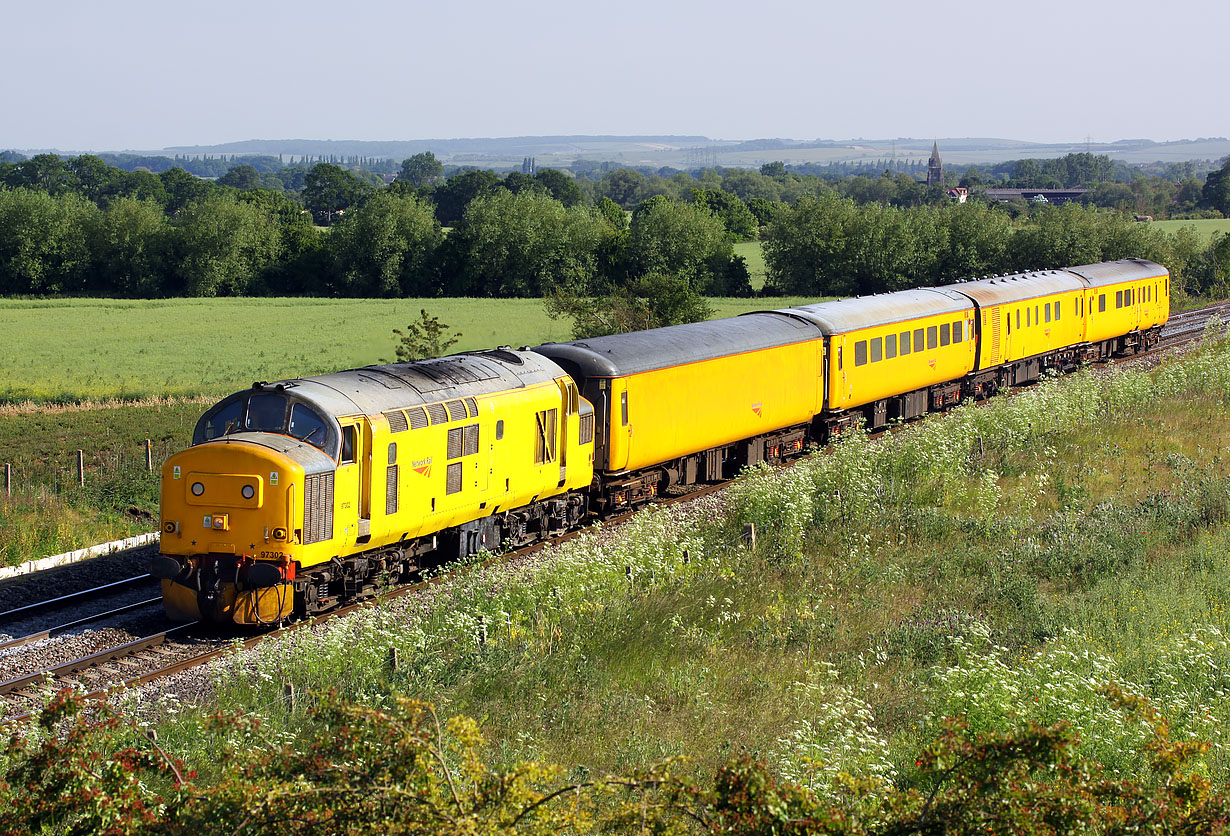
x: 300, y: 493
x: 740, y: 390
x: 879, y: 345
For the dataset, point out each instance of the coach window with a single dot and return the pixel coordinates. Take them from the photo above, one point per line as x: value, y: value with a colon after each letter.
x: 1058, y: 308
x: 1047, y: 315
x: 623, y: 408
x: 1037, y: 316
x: 890, y: 346
x: 905, y: 343
x: 499, y: 429
x: 1118, y: 298
x: 877, y: 350
x: 958, y: 331
x: 1008, y: 322
x: 918, y: 339
x: 932, y: 336
x: 1028, y: 312
x: 860, y: 353
x: 944, y: 337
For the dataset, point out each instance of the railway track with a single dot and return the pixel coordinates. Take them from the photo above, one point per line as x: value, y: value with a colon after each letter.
x: 128, y: 665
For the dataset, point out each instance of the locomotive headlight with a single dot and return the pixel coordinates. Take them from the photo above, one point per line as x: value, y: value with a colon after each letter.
x: 197, y: 489
x: 279, y: 534
x: 247, y: 491
x: 170, y: 527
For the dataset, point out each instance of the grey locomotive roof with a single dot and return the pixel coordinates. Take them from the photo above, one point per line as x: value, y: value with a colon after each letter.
x: 375, y: 389
x: 1018, y: 286
x: 312, y: 459
x: 676, y: 345
x: 844, y: 315
x: 1113, y: 272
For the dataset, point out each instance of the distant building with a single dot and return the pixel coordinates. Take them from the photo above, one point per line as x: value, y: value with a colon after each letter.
x: 935, y: 168
x: 960, y: 194
x: 1058, y: 197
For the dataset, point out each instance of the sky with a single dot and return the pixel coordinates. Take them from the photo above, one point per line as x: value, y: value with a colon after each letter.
x: 84, y: 75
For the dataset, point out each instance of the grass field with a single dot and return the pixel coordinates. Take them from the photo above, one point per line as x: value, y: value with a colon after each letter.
x: 66, y: 350
x: 1002, y: 563
x: 1207, y: 228
x: 753, y: 254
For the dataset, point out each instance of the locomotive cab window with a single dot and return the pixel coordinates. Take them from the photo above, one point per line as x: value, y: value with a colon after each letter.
x: 223, y: 421
x: 307, y: 425
x: 266, y: 413
x: 348, y: 444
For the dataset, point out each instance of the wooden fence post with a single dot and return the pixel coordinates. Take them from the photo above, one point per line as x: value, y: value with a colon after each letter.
x: 288, y: 696
x: 149, y: 457
x: 749, y: 534
x: 81, y: 468
x: 8, y: 480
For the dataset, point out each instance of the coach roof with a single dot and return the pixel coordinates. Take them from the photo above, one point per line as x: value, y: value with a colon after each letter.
x: 845, y: 315
x: 677, y: 345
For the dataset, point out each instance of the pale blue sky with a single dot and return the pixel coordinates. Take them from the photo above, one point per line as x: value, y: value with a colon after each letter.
x: 140, y: 74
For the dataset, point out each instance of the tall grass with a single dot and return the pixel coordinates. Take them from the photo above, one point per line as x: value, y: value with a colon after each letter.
x: 1004, y: 562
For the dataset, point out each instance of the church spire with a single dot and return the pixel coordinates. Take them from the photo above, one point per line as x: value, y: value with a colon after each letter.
x: 935, y: 168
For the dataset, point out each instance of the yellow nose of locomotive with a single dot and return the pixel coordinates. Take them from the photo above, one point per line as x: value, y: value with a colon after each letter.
x: 229, y: 539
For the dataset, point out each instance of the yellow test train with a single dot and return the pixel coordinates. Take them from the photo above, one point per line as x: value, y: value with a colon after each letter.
x: 302, y: 494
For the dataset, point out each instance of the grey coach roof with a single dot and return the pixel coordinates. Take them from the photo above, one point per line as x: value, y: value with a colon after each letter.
x: 846, y: 315
x: 1016, y: 287
x: 1124, y: 270
x: 375, y: 389
x: 677, y: 345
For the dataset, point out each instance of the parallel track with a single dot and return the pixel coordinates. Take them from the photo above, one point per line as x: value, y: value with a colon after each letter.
x: 1182, y: 328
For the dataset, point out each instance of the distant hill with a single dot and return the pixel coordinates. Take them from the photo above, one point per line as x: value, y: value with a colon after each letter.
x: 685, y: 152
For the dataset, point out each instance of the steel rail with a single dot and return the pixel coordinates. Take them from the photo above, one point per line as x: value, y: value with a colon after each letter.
x: 63, y: 628
x: 72, y: 598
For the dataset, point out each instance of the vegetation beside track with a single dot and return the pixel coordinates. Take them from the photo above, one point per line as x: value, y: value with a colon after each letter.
x: 1048, y: 568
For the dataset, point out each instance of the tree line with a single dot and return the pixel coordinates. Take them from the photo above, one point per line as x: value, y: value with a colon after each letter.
x: 82, y: 226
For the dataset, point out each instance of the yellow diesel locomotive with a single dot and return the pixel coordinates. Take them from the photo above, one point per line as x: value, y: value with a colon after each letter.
x: 298, y: 494
x: 301, y: 494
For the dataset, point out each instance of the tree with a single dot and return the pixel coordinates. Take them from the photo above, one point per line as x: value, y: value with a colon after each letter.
x: 221, y: 245
x: 129, y: 242
x: 679, y: 239
x: 739, y: 221
x: 386, y: 248
x: 182, y: 188
x: 560, y: 186
x: 453, y: 197
x: 421, y: 170
x: 329, y: 189
x: 43, y: 247
x: 652, y: 301
x: 776, y: 169
x: 624, y: 186
x: 1217, y: 189
x: 240, y: 177
x: 428, y: 337
x: 523, y: 245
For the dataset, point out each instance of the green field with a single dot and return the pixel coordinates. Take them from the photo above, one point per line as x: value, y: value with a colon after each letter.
x: 68, y: 350
x: 1207, y: 227
x: 753, y: 254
